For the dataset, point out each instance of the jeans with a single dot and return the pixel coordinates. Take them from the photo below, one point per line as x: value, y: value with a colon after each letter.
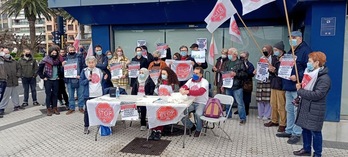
x: 62, y: 93
x: 10, y: 92
x: 142, y: 115
x: 238, y: 97
x: 71, y: 91
x: 291, y: 113
x: 307, y: 136
x: 51, y: 91
x: 247, y: 100
x: 29, y: 82
x: 198, y: 108
x: 2, y: 89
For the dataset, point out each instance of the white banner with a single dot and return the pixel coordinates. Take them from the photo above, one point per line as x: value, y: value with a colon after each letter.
x: 102, y: 113
x: 199, y: 56
x: 133, y: 69
x: 286, y: 65
x: 221, y: 12
x: 251, y: 5
x: 116, y: 70
x: 129, y: 111
x: 227, y: 79
x: 70, y: 70
x: 183, y: 69
x: 164, y: 115
x: 262, y: 73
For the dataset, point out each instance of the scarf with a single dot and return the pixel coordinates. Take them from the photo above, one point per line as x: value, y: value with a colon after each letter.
x: 309, y: 79
x: 146, y: 73
x: 49, y: 63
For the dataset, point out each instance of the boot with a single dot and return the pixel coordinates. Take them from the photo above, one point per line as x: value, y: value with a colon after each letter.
x: 55, y: 111
x: 49, y: 111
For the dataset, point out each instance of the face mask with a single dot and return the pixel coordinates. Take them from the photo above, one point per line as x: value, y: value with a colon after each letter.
x: 28, y: 55
x: 81, y: 49
x: 310, y: 66
x: 72, y: 53
x: 293, y: 42
x: 195, y: 77
x: 223, y: 56
x: 142, y: 76
x: 242, y: 58
x: 265, y: 53
x: 139, y: 53
x: 109, y: 56
x: 7, y: 56
x: 230, y: 57
x: 183, y: 53
x: 119, y: 53
x: 2, y: 53
x: 99, y: 53
x: 54, y: 56
x: 164, y: 77
x: 155, y: 58
x: 276, y: 53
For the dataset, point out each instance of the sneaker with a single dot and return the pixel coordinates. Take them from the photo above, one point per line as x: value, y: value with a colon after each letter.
x: 270, y: 124
x: 36, y: 103
x: 24, y: 104
x: 265, y: 118
x: 86, y: 131
x: 236, y: 112
x: 82, y: 110
x: 242, y: 122
x: 258, y: 117
x: 142, y: 128
x: 2, y: 112
x: 302, y: 152
x: 294, y: 139
x: 197, y: 133
x: 1, y: 116
x: 17, y: 108
x: 70, y: 112
x: 283, y: 134
x: 152, y: 136
x: 281, y: 129
x: 157, y: 136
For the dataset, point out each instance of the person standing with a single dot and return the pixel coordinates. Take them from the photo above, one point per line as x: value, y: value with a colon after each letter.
x: 248, y: 82
x: 12, y: 72
x: 194, y: 47
x: 292, y: 131
x: 102, y: 64
x: 49, y: 71
x: 139, y: 58
x: 3, y: 77
x: 28, y: 67
x: 62, y: 89
x: 73, y: 84
x: 218, y: 68
x: 238, y: 72
x: 119, y: 57
x: 312, y: 107
x: 185, y: 57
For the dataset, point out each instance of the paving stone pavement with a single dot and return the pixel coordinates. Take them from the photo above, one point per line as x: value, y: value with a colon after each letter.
x: 62, y: 135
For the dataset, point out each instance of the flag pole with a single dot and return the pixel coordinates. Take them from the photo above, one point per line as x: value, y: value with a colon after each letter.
x: 251, y: 36
x: 212, y: 37
x: 292, y: 47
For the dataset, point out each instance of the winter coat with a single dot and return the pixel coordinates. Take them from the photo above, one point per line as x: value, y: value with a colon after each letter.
x: 276, y: 82
x: 28, y: 67
x: 302, y: 51
x: 239, y: 68
x: 219, y: 68
x: 74, y: 58
x: 161, y: 63
x: 84, y: 83
x: 12, y: 71
x: 3, y: 76
x: 311, y: 111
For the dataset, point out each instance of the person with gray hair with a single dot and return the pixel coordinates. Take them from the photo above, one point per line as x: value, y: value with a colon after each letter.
x: 157, y: 64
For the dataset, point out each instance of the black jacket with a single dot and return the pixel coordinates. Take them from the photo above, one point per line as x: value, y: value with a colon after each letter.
x: 240, y: 70
x: 276, y: 82
x: 149, y: 87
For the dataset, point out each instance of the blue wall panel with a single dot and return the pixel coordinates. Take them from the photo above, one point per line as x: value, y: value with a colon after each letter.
x: 101, y: 36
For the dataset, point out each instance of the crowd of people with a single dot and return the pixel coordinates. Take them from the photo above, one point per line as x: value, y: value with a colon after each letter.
x: 296, y: 109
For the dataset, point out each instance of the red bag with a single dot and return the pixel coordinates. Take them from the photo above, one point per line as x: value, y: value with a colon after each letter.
x: 213, y: 108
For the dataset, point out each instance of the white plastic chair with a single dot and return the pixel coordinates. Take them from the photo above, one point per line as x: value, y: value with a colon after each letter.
x: 224, y: 99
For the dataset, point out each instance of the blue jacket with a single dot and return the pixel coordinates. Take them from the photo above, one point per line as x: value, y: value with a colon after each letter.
x: 84, y: 82
x: 302, y: 52
x: 80, y: 65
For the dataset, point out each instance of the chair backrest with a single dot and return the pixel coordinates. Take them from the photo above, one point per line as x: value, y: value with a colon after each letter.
x: 225, y: 99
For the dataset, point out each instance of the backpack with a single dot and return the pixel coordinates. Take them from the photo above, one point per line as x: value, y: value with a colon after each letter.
x: 213, y: 108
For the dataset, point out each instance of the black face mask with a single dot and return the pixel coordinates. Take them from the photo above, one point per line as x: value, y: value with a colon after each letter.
x: 28, y: 55
x: 242, y: 58
x: 155, y: 58
x: 72, y: 53
x: 54, y: 56
x: 265, y: 53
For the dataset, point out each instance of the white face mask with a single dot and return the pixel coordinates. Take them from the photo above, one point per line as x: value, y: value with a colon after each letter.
x: 2, y: 53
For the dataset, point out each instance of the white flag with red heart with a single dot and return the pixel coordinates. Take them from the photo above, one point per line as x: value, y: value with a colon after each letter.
x: 234, y: 31
x: 212, y: 51
x: 251, y: 5
x: 221, y: 12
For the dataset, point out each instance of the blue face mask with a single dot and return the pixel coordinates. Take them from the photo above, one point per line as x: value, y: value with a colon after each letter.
x: 183, y: 53
x: 139, y: 53
x: 195, y: 77
x: 142, y: 76
x: 293, y: 42
x: 164, y: 77
x: 276, y: 53
x: 310, y: 66
x: 81, y: 49
x: 98, y: 53
x: 109, y: 56
x: 230, y: 57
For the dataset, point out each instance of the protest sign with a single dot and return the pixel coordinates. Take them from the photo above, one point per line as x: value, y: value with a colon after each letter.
x: 262, y: 73
x: 116, y: 70
x: 183, y: 69
x: 70, y: 70
x: 286, y: 65
x: 199, y: 56
x: 133, y: 69
x: 162, y: 48
x: 227, y: 79
x: 202, y: 43
x: 154, y: 74
x: 129, y: 111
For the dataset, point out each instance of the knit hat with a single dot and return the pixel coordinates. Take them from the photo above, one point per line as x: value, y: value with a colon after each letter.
x: 279, y: 45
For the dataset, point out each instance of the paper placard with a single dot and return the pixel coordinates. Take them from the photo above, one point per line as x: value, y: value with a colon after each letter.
x: 183, y: 69
x: 70, y: 70
x: 199, y: 56
x: 202, y: 43
x: 262, y: 73
x: 154, y: 74
x: 133, y: 69
x: 116, y: 70
x: 227, y: 79
x: 162, y: 48
x: 286, y: 65
x: 129, y: 111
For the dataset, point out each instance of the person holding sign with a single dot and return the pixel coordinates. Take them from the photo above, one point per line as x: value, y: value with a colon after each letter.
x: 123, y: 61
x: 157, y: 63
x: 73, y: 66
x: 143, y: 86
x: 139, y: 58
x: 302, y: 50
x: 218, y: 69
x: 204, y: 65
x: 238, y: 72
x: 263, y: 86
x: 278, y: 116
x: 313, y: 91
x: 92, y: 79
x: 185, y: 57
x: 167, y: 84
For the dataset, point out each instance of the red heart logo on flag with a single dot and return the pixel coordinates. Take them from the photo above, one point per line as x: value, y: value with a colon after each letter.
x: 235, y: 28
x: 219, y: 13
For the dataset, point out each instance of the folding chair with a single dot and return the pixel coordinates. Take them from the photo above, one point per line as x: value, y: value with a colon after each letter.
x: 224, y: 99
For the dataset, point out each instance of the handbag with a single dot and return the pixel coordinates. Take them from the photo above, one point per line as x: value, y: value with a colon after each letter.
x: 248, y: 86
